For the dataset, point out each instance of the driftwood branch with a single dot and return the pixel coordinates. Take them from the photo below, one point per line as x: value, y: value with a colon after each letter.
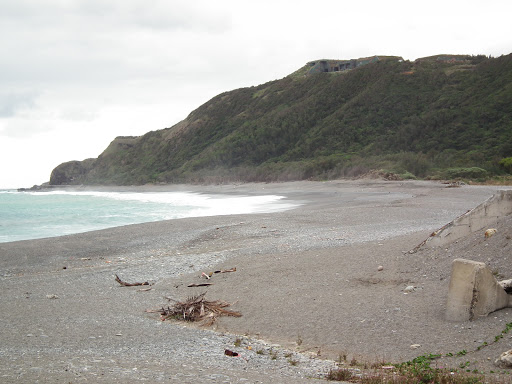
x: 199, y: 285
x: 125, y: 284
x: 197, y: 308
x: 209, y: 275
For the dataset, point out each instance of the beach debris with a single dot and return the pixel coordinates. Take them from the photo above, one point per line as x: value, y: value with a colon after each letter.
x: 506, y: 285
x: 380, y: 268
x: 415, y: 346
x: 490, y: 232
x: 409, y: 289
x: 210, y: 274
x: 454, y: 184
x: 125, y: 284
x: 197, y: 308
x: 380, y: 174
x: 52, y: 297
x: 199, y: 285
x: 227, y: 352
x: 505, y: 360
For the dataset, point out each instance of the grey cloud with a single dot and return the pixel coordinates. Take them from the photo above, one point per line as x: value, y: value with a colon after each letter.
x: 11, y: 103
x: 79, y: 113
x: 199, y: 16
x: 92, y: 41
x: 15, y: 128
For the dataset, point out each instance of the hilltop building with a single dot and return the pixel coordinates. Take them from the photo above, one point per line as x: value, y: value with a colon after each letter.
x: 320, y: 66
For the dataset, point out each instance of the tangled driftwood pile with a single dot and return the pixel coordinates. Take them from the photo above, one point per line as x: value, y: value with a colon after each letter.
x: 197, y: 308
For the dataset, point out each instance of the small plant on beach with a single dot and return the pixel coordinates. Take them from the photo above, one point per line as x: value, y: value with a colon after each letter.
x: 420, y: 368
x: 342, y: 358
x: 340, y: 374
x: 299, y: 340
x: 293, y: 362
x: 260, y: 352
x: 238, y: 342
x: 497, y: 338
x: 496, y: 273
x: 273, y: 354
x: 379, y: 379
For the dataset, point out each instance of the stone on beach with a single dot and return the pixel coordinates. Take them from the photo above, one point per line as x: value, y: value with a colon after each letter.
x: 505, y: 360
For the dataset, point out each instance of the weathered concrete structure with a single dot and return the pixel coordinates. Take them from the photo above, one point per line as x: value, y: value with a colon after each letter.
x: 320, y: 66
x: 474, y: 292
x: 323, y: 65
x: 483, y: 216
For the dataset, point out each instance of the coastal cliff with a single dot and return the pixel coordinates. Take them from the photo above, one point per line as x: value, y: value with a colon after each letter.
x: 445, y: 115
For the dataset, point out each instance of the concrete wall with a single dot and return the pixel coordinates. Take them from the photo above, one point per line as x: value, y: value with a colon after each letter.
x: 483, y: 216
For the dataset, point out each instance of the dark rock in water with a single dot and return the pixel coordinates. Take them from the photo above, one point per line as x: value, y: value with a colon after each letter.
x: 35, y: 188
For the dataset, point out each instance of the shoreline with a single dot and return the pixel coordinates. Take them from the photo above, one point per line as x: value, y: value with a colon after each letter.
x: 53, y: 212
x: 306, y: 278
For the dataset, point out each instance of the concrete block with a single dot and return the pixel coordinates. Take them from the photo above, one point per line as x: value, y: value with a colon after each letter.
x: 474, y: 292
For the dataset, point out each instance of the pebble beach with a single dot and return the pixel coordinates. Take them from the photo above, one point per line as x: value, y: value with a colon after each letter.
x: 317, y: 285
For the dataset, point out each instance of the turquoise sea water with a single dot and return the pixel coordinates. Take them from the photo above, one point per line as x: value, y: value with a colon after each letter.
x: 33, y: 215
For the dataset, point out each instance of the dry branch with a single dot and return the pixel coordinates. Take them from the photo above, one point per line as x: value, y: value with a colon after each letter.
x: 125, y: 284
x: 210, y: 274
x: 197, y: 308
x: 199, y: 285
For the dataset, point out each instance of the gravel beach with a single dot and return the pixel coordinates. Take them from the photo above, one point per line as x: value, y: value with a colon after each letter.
x: 307, y: 282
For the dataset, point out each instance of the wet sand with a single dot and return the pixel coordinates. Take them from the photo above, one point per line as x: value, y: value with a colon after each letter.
x: 306, y: 279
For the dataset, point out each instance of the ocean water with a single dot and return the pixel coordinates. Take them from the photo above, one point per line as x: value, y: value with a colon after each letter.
x: 33, y: 215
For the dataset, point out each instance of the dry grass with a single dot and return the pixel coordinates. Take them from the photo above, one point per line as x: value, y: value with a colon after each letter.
x: 198, y: 309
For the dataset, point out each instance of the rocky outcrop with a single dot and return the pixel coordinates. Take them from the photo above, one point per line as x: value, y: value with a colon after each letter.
x: 71, y: 172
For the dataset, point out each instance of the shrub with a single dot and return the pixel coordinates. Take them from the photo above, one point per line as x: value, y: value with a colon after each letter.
x: 470, y: 173
x: 339, y: 374
x: 407, y: 176
x: 506, y: 164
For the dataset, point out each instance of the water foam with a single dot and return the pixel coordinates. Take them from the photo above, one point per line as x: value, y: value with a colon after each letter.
x: 31, y: 215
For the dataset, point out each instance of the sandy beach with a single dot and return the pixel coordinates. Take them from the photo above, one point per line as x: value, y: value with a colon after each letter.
x: 307, y: 283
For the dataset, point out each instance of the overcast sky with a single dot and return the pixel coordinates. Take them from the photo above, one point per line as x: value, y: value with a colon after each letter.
x: 76, y: 74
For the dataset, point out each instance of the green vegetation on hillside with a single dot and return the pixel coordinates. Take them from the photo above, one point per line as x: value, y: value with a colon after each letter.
x: 429, y: 118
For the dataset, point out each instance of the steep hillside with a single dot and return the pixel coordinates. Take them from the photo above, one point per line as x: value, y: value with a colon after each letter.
x: 430, y: 117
